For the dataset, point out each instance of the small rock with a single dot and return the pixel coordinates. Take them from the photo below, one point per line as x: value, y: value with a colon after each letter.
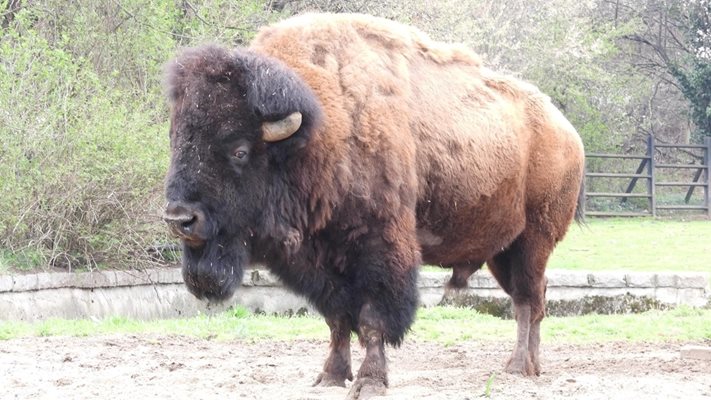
x: 696, y: 352
x: 63, y: 382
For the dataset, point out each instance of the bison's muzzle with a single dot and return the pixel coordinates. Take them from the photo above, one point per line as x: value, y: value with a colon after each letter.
x: 212, y: 264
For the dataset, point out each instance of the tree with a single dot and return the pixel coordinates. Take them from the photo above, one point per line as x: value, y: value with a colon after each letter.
x: 695, y: 77
x: 673, y: 47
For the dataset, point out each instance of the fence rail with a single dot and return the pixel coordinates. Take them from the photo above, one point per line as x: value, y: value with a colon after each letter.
x: 647, y: 171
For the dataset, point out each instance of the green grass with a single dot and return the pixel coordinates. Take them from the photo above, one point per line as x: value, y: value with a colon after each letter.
x: 446, y: 325
x: 636, y: 244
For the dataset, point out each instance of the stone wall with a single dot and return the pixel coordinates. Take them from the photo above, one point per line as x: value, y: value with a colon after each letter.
x: 159, y: 293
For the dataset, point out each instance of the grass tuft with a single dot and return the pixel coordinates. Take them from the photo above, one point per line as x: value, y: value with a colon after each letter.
x: 489, y: 385
x: 446, y: 325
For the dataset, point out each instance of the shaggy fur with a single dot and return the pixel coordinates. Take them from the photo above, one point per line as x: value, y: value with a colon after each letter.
x: 410, y: 150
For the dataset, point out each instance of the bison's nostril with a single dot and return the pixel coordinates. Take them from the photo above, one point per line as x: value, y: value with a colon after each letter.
x: 184, y: 220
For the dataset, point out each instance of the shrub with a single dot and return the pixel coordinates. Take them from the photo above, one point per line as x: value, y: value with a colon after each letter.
x: 83, y: 124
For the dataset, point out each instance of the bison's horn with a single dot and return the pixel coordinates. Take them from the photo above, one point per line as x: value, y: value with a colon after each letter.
x: 282, y: 129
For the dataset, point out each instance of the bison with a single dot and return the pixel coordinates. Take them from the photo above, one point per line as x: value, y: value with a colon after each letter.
x: 341, y: 152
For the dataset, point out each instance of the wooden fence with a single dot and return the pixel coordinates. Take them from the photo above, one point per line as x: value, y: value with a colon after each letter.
x: 647, y: 171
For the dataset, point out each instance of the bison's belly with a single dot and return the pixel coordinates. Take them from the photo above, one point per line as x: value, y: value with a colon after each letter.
x: 474, y: 246
x: 469, y: 233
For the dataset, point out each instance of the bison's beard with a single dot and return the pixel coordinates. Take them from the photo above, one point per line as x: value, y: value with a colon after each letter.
x: 214, y: 271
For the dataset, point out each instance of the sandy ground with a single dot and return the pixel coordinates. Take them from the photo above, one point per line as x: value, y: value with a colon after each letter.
x: 171, y: 367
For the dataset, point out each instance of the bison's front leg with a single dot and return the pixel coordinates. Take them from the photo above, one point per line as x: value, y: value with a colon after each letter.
x: 338, y: 364
x: 372, y: 376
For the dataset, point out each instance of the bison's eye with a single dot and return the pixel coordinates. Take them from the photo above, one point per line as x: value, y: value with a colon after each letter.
x: 240, y: 154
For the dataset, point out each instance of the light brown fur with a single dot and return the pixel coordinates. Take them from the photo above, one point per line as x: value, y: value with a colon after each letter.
x: 485, y: 147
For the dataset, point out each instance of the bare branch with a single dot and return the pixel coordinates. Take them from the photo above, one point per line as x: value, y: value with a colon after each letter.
x: 195, y: 11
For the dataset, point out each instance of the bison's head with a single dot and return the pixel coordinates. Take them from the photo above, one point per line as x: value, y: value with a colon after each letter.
x: 238, y: 120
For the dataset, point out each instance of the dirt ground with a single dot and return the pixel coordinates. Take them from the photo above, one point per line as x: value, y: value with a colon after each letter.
x: 170, y: 367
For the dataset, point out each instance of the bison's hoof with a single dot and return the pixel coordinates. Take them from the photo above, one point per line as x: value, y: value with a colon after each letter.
x: 325, y: 379
x: 522, y: 366
x: 365, y: 388
x: 536, y: 368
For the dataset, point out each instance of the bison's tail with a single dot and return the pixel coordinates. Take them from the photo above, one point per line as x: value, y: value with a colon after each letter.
x: 580, y: 208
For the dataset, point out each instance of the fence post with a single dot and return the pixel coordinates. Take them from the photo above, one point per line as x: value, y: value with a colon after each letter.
x: 707, y: 163
x: 651, y: 181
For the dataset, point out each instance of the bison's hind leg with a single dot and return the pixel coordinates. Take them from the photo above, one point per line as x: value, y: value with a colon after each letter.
x: 460, y: 275
x: 459, y: 280
x: 520, y: 270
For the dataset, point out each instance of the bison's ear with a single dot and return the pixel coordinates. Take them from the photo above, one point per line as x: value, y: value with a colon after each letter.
x: 287, y: 107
